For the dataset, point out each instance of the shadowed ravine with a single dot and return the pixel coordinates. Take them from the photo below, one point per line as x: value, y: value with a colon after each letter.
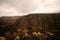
x: 31, y: 27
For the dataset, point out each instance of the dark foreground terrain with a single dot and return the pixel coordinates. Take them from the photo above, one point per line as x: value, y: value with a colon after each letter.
x: 30, y: 27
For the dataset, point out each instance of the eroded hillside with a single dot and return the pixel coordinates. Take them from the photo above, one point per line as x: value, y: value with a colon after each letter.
x: 31, y: 27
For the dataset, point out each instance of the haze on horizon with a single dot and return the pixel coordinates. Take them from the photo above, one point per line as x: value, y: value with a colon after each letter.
x: 25, y: 7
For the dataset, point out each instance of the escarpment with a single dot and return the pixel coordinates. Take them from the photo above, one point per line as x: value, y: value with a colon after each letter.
x: 47, y: 24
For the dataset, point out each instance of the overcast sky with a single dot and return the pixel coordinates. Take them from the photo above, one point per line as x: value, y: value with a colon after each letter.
x: 24, y: 7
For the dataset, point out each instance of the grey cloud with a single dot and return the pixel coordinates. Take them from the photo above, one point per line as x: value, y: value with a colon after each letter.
x: 28, y: 6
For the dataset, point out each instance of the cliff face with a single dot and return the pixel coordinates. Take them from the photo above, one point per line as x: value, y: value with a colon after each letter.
x: 34, y: 22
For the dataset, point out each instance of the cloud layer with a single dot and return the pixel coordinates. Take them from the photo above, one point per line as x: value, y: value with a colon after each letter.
x: 24, y: 7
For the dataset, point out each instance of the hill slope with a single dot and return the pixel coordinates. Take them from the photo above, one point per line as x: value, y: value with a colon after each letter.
x: 43, y: 23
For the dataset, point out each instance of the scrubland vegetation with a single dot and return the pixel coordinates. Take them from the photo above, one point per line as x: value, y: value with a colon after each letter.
x: 30, y: 27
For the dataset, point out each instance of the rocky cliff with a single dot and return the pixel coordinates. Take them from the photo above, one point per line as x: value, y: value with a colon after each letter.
x: 47, y: 24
